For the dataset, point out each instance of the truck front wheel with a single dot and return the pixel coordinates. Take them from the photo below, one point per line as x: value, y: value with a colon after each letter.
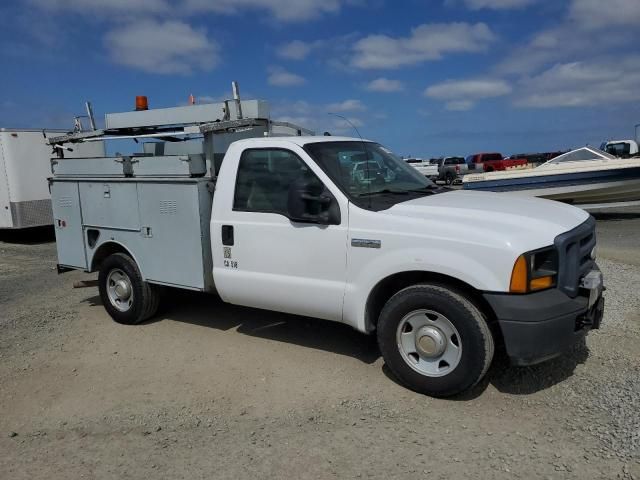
x: 125, y: 295
x: 434, y: 340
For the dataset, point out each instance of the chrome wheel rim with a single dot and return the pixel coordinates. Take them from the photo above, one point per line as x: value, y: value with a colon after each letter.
x: 429, y: 343
x: 119, y: 290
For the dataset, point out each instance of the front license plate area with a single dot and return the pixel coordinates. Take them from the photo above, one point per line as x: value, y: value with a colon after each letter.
x: 592, y: 282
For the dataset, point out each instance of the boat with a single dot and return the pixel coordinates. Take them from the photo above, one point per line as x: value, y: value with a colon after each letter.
x: 582, y: 177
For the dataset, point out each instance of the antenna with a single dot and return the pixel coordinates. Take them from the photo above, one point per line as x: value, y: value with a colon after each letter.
x: 349, y: 122
x: 366, y: 152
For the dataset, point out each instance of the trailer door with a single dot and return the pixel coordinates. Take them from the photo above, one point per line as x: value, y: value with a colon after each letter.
x: 6, y: 221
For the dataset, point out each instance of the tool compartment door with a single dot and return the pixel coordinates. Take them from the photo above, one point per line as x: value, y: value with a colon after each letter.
x: 67, y: 219
x: 110, y: 205
x: 172, y: 234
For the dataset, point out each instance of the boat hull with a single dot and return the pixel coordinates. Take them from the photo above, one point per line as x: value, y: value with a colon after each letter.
x: 601, y: 186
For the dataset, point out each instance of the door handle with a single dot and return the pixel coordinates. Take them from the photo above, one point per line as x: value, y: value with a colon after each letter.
x: 227, y: 235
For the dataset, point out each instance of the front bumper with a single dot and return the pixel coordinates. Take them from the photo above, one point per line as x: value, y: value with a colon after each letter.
x: 542, y: 325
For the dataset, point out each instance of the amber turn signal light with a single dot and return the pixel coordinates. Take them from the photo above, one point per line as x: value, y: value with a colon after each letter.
x: 519, y: 276
x: 541, y: 283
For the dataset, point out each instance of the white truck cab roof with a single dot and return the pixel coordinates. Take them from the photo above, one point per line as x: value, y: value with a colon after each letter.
x: 300, y: 141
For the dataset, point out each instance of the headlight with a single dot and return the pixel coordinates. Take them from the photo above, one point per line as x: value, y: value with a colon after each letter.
x: 537, y: 270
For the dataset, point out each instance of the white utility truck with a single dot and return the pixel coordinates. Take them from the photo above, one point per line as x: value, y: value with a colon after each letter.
x: 441, y: 277
x: 24, y: 168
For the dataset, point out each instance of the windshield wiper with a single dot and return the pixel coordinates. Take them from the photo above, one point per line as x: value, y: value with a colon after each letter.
x: 386, y: 191
x: 430, y: 189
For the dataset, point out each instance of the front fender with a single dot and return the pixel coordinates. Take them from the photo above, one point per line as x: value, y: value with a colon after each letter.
x: 465, y: 268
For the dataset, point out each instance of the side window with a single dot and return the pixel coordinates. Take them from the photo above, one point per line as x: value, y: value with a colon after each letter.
x: 618, y: 149
x: 265, y: 177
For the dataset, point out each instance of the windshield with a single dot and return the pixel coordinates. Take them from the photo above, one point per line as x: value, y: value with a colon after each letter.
x: 582, y: 154
x: 619, y: 149
x: 369, y: 174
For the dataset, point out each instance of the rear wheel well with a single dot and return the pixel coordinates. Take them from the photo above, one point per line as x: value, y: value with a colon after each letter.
x: 388, y: 287
x: 105, y: 250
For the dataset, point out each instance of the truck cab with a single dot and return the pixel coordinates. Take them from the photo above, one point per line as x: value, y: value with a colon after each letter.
x: 621, y: 148
x: 492, y: 162
x: 440, y: 277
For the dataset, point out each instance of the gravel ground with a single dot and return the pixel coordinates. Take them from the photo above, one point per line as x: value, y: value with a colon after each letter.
x: 210, y: 390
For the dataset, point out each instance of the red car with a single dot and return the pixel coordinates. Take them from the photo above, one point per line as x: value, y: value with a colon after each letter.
x: 489, y: 162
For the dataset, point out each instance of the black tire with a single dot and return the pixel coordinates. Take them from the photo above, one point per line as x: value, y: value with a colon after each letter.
x: 450, y: 178
x: 145, y: 299
x: 477, y: 345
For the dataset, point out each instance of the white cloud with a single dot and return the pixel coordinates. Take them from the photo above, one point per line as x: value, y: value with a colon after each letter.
x: 347, y: 123
x: 463, y: 94
x: 583, y: 84
x: 383, y: 84
x: 586, y: 22
x: 315, y: 117
x: 284, y: 10
x: 459, y: 105
x: 208, y: 98
x: 346, y: 106
x: 596, y: 14
x: 170, y: 47
x: 102, y: 8
x: 497, y: 4
x: 426, y: 42
x: 335, y: 51
x: 294, y: 50
x: 279, y: 77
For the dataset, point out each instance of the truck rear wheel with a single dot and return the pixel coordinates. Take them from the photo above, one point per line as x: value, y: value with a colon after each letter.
x: 450, y: 178
x: 125, y: 295
x: 434, y: 340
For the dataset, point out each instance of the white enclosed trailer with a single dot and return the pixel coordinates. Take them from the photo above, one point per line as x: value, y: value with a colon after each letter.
x: 24, y: 168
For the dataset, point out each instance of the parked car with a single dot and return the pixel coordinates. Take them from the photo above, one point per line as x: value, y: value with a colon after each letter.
x: 424, y: 167
x: 367, y: 172
x: 489, y: 162
x: 450, y: 169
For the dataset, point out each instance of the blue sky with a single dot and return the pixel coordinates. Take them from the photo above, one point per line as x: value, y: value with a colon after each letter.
x: 424, y: 77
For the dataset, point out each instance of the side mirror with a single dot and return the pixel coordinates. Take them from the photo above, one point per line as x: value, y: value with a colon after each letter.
x: 310, y: 202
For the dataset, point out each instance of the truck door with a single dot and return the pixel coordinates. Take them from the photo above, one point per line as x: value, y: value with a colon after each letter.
x: 262, y: 258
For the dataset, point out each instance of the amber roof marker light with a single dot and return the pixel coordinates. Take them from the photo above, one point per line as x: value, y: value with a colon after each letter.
x: 142, y: 103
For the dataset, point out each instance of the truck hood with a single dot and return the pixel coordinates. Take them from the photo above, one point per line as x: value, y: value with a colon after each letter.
x: 488, y: 217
